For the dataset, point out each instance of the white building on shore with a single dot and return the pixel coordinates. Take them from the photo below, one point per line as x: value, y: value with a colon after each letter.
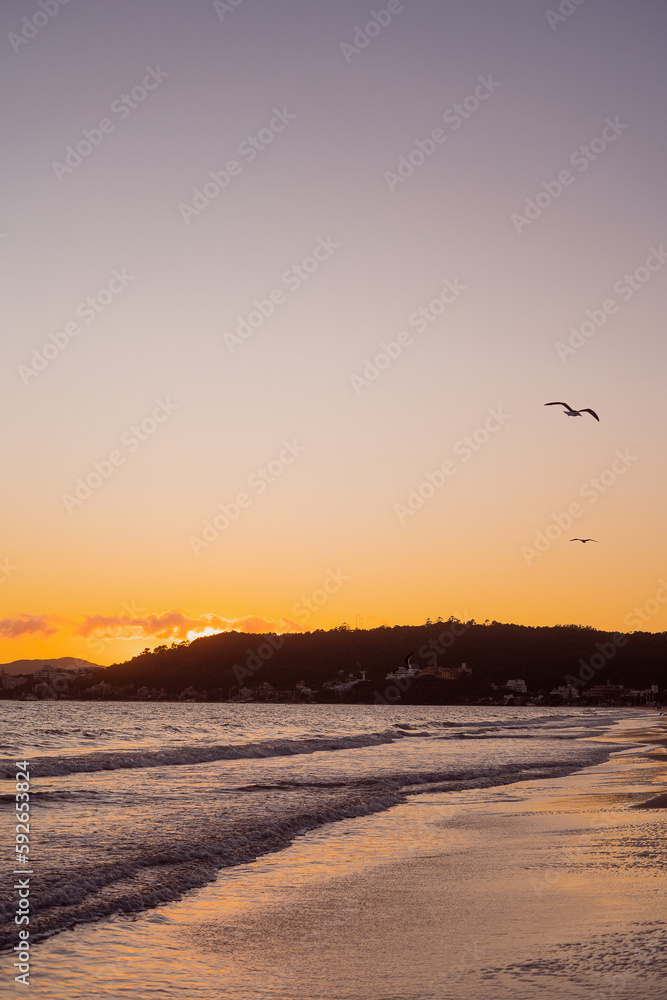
x: 518, y: 685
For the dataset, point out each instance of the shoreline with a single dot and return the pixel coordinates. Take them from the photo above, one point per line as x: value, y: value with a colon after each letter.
x: 521, y: 702
x: 487, y: 893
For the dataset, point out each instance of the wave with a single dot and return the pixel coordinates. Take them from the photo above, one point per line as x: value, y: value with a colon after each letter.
x: 112, y: 760
x: 62, y: 899
x: 119, y: 759
x: 59, y: 795
x: 154, y: 873
x: 508, y: 736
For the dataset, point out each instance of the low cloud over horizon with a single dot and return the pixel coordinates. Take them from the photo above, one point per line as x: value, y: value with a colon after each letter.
x: 166, y: 625
x: 21, y: 625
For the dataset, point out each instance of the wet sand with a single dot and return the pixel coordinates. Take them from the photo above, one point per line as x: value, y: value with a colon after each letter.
x: 552, y: 889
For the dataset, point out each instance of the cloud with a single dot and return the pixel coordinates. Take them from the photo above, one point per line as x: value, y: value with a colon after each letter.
x: 175, y: 625
x: 21, y: 625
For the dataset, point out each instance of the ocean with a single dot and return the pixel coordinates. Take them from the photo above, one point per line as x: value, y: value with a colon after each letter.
x: 134, y: 806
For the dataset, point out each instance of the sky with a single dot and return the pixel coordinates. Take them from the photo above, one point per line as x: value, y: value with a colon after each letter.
x: 285, y: 289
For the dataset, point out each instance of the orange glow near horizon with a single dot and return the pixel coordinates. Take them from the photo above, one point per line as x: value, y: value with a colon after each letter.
x: 319, y: 396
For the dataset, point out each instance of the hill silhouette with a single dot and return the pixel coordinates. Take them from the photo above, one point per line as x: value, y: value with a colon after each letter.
x: 545, y: 657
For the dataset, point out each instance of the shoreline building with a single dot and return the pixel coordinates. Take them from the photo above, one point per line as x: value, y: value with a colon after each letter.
x: 409, y: 672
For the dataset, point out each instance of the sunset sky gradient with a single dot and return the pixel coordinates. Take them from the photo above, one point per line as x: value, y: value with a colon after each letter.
x: 368, y: 211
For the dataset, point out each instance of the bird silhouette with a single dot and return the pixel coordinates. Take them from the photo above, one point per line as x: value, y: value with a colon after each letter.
x: 584, y: 540
x: 569, y: 412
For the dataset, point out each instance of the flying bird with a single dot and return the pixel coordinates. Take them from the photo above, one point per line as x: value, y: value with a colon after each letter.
x: 569, y: 412
x: 584, y: 540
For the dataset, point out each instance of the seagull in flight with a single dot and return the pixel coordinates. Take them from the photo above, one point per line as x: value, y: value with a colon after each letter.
x: 584, y: 540
x: 569, y: 412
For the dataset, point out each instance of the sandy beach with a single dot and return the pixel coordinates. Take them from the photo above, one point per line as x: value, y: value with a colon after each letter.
x: 550, y: 888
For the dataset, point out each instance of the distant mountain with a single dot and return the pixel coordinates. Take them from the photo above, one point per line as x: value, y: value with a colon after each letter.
x: 30, y: 666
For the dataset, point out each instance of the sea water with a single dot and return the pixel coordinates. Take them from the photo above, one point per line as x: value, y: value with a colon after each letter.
x: 134, y: 804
